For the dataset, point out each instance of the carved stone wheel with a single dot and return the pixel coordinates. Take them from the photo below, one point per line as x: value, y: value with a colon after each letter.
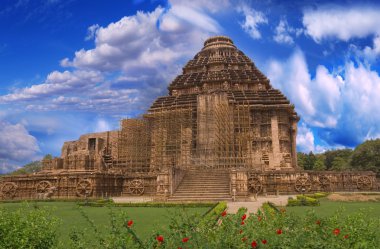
x: 43, y: 187
x: 364, y: 183
x: 303, y: 184
x: 136, y: 187
x: 8, y: 189
x: 84, y: 188
x: 254, y: 185
x: 324, y: 182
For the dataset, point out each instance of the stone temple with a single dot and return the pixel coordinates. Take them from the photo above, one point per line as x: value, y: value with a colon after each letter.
x: 222, y: 133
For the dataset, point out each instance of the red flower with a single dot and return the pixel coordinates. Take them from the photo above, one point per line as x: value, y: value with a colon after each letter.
x: 336, y: 231
x: 279, y: 231
x: 318, y: 222
x: 241, y: 231
x: 264, y: 241
x: 243, y: 217
x: 179, y: 248
x: 346, y: 236
x: 254, y: 244
x: 259, y: 218
x: 224, y: 213
x: 244, y: 239
x: 184, y: 240
x: 130, y: 223
x: 242, y: 223
x: 160, y: 238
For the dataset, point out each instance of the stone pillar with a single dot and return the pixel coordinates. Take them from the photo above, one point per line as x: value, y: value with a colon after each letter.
x: 275, y: 141
x: 233, y: 183
x: 163, y: 184
x: 293, y: 137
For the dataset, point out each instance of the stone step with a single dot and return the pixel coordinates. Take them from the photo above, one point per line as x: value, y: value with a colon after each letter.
x: 203, y: 186
x: 183, y: 187
x: 205, y: 183
x: 205, y: 180
x: 201, y: 194
x: 208, y: 176
x: 197, y: 199
x: 214, y: 178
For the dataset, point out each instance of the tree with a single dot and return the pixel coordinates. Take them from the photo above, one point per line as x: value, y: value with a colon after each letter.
x: 339, y: 164
x: 310, y: 161
x: 29, y: 168
x: 301, y: 159
x: 366, y: 156
x: 48, y: 157
x: 330, y: 155
x: 319, y: 164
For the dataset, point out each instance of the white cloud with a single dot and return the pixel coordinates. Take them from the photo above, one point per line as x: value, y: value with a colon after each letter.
x: 91, y: 32
x: 293, y: 78
x: 343, y: 105
x: 153, y: 44
x: 361, y: 100
x: 212, y: 6
x: 147, y: 40
x: 305, y: 139
x: 341, y: 23
x: 283, y: 32
x: 372, y: 53
x: 253, y: 19
x: 102, y: 125
x: 6, y: 167
x: 16, y: 144
x: 55, y: 83
x: 316, y: 99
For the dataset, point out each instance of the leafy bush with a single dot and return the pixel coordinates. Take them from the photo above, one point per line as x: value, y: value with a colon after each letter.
x: 33, y: 228
x: 302, y: 201
x: 214, y: 212
x: 317, y: 195
x: 269, y: 230
x: 27, y: 227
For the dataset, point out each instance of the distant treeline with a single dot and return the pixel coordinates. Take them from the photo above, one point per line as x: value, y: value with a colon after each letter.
x: 365, y: 156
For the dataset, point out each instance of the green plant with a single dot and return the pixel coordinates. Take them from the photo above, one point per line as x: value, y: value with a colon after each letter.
x: 303, y: 200
x: 28, y: 227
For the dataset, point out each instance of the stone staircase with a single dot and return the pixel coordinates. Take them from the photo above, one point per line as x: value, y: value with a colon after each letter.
x: 203, y: 185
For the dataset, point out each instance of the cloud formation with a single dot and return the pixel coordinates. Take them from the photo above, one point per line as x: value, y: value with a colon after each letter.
x: 145, y: 50
x: 56, y: 83
x: 345, y: 24
x: 340, y: 105
x: 16, y: 144
x: 342, y: 23
x: 252, y: 20
x: 284, y: 32
x: 305, y: 139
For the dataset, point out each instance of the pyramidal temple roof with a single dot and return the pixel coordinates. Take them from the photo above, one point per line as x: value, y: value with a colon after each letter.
x: 219, y: 63
x: 222, y: 68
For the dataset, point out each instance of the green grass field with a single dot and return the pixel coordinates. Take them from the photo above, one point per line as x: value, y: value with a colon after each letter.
x: 146, y: 219
x: 327, y: 208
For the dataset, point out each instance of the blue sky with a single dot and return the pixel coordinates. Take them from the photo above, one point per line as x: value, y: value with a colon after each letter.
x: 73, y: 67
